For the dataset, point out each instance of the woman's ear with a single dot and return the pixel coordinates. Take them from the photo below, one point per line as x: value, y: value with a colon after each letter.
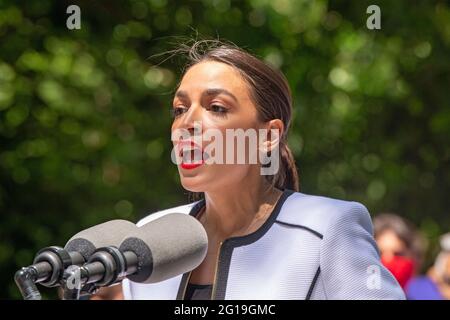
x: 275, y: 130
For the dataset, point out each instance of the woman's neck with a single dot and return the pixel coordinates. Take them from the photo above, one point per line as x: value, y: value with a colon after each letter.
x: 239, y: 210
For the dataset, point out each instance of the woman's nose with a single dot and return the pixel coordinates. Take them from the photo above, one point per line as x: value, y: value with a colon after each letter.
x: 192, y: 118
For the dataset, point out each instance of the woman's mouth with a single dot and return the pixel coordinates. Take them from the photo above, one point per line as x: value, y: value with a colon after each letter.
x: 191, y: 154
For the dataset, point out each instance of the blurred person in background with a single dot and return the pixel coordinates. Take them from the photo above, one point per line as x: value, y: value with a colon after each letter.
x: 435, y: 285
x: 401, y: 246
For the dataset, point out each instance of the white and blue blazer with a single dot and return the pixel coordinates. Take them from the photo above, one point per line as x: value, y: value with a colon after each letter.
x: 311, y: 247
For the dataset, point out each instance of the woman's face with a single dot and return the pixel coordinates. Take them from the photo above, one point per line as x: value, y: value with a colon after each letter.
x: 390, y: 244
x: 214, y: 94
x: 395, y: 256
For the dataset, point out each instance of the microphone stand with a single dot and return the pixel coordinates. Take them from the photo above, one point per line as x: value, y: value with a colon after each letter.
x: 107, y: 266
x: 26, y: 279
x: 46, y: 269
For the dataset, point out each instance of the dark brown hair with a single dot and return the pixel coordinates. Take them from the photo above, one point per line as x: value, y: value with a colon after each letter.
x: 269, y: 91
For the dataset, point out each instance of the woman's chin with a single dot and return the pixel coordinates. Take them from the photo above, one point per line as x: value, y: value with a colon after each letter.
x: 192, y: 184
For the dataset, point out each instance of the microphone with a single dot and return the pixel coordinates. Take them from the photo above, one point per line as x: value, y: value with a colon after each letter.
x: 110, y: 233
x: 161, y: 249
x: 50, y: 263
x: 169, y: 246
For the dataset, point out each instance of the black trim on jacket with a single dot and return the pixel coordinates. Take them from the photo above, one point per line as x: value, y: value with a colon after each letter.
x: 228, y: 246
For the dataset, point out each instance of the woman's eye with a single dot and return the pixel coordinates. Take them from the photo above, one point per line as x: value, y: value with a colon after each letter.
x: 218, y: 109
x: 176, y: 111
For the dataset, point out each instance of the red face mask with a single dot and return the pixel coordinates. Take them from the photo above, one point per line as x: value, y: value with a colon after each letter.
x: 401, y: 267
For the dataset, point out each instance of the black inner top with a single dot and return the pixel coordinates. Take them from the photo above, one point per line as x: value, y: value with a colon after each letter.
x: 198, y: 291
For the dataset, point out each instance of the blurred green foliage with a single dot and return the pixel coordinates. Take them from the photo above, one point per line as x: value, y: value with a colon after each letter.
x: 85, y: 123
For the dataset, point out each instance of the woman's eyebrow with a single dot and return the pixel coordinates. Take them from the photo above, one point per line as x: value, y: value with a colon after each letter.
x: 216, y: 91
x: 182, y: 94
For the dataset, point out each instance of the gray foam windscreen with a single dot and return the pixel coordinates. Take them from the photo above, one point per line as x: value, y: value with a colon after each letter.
x: 166, y: 247
x: 109, y: 233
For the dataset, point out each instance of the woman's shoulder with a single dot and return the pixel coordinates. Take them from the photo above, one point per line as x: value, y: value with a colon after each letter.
x: 320, y: 213
x: 186, y: 209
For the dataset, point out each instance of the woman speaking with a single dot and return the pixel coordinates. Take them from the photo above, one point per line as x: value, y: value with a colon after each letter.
x: 266, y: 239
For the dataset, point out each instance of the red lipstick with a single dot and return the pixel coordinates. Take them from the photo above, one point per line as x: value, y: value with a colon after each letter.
x: 190, y: 145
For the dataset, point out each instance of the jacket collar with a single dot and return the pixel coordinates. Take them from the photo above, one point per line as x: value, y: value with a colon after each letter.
x: 227, y: 247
